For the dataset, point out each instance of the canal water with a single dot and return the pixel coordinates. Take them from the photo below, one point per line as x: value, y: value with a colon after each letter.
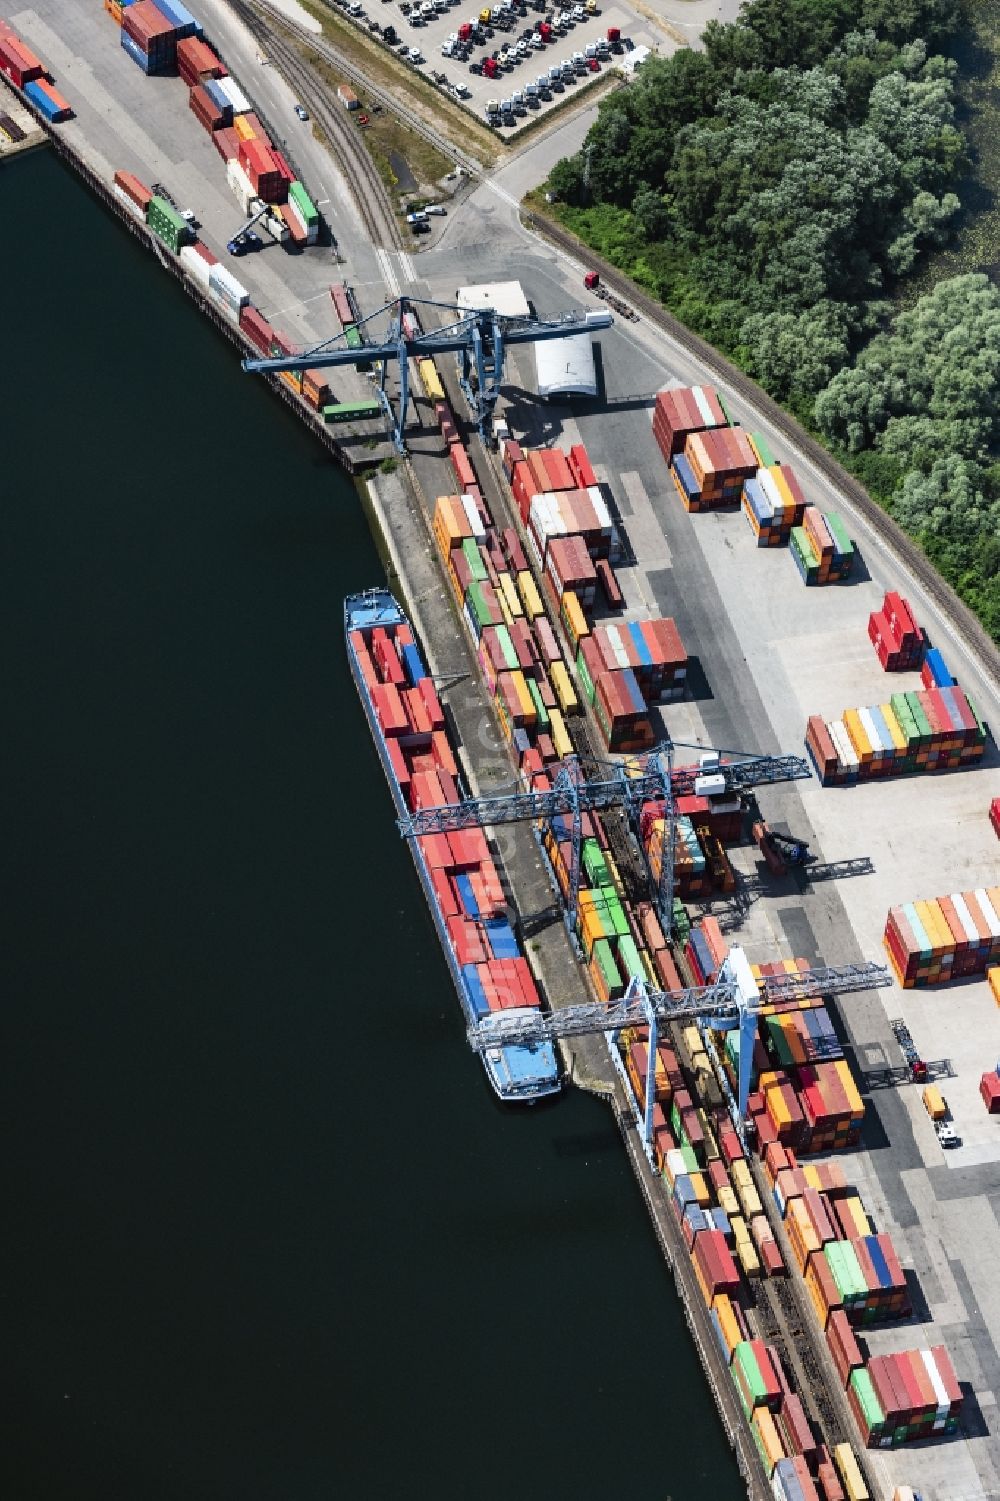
x: 267, y: 1236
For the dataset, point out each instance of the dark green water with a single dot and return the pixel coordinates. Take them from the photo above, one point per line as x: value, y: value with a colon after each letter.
x: 265, y: 1232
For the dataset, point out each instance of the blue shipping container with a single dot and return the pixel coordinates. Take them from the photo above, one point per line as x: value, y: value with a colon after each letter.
x: 685, y: 474
x: 940, y: 675
x: 466, y: 896
x: 180, y: 17
x: 639, y: 642
x: 41, y: 101
x: 879, y: 1263
x: 135, y: 52
x: 218, y: 98
x: 501, y: 939
x: 413, y: 665
x: 474, y: 989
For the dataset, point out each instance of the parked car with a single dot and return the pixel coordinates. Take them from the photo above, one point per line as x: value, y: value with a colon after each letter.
x: 302, y: 113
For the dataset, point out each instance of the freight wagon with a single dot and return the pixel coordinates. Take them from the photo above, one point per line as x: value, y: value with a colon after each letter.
x: 343, y: 304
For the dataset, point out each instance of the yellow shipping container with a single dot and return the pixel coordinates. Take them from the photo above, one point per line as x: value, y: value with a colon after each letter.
x: 528, y: 590
x: 935, y: 926
x: 850, y: 1473
x: 934, y: 1103
x: 525, y: 699
x: 729, y: 1202
x: 505, y: 615
x: 561, y: 742
x: 510, y: 594
x: 244, y: 129
x: 563, y: 687
x: 449, y: 513
x: 739, y: 1227
x: 892, y: 725
x: 703, y: 1197
x: 993, y: 976
x: 576, y: 620
x: 782, y: 485
x: 769, y: 1444
x: 723, y: 1306
x: 751, y: 1202
x: 746, y: 1254
x: 857, y: 736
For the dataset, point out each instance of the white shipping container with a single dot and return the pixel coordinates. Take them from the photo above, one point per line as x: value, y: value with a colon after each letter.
x: 241, y: 185
x: 701, y: 403
x: 843, y: 745
x: 289, y: 208
x: 473, y: 517
x: 276, y: 229
x: 129, y: 203
x: 874, y: 738
x: 943, y: 1407
x: 534, y: 556
x: 965, y: 918
x: 224, y: 285
x: 600, y: 505
x: 613, y: 637
x: 990, y: 918
x: 196, y: 268
x: 241, y: 104
x: 771, y: 491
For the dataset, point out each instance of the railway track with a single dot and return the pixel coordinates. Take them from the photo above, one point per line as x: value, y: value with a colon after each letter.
x: 374, y: 206
x: 890, y: 535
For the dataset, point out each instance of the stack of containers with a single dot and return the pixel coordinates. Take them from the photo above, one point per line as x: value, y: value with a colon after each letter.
x: 989, y: 1089
x: 791, y: 1481
x: 804, y: 1034
x: 569, y: 569
x: 196, y: 61
x: 17, y: 61
x: 223, y: 104
x: 773, y: 503
x: 133, y: 193
x: 897, y: 1399
x: 713, y: 468
x: 995, y: 816
x: 683, y: 411
x: 842, y: 1344
x: 755, y: 1372
x: 260, y: 166
x: 198, y: 261
x: 149, y: 37
x: 934, y: 672
x: 690, y: 866
x: 180, y: 17
x: 715, y: 1269
x: 895, y: 635
x: 571, y: 513
x: 652, y: 649
x: 993, y: 980
x: 232, y: 91
x: 621, y: 711
x: 255, y: 326
x: 831, y: 1104
x: 300, y: 213
x: 206, y: 110
x: 167, y: 224
x: 869, y: 1280
x: 936, y: 729
x: 822, y: 550
x: 944, y: 938
x: 223, y: 287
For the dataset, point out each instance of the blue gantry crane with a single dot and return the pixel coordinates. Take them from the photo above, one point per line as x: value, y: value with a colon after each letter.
x: 480, y: 337
x: 733, y: 1000
x: 652, y: 777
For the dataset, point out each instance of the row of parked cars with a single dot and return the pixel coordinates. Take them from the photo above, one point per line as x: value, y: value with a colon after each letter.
x: 504, y: 112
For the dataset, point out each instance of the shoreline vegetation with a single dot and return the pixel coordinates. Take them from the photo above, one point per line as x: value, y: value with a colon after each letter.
x: 813, y: 193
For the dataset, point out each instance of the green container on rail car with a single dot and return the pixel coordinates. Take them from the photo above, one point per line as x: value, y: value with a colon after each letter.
x: 629, y: 960
x: 586, y: 681
x: 304, y: 204
x: 536, y: 698
x: 474, y: 558
x: 507, y: 649
x: 745, y: 1361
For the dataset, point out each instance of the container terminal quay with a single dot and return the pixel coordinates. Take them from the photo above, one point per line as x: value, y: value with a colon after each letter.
x: 733, y: 748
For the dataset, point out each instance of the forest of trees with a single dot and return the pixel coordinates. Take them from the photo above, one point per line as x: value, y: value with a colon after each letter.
x: 776, y: 190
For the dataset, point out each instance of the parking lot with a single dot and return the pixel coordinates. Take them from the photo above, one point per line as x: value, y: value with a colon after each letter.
x: 537, y: 51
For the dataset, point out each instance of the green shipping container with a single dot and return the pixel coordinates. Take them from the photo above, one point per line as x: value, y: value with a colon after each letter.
x: 923, y: 724
x: 861, y: 1385
x: 586, y: 682
x: 629, y: 961
x: 594, y: 862
x: 691, y: 1162
x: 843, y: 1263
x: 607, y: 966
x: 764, y: 449
x: 540, y: 709
x: 304, y: 204
x: 744, y: 1358
x: 474, y: 558
x: 841, y: 537
x: 477, y: 604
x: 507, y: 648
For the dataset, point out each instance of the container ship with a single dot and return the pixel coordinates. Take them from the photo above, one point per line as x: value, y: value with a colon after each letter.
x: 457, y: 872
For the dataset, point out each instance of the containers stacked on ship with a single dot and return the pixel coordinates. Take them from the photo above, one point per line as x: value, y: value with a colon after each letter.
x: 167, y: 224
x: 149, y: 37
x: 821, y: 548
x: 945, y: 938
x: 935, y: 729
x: 895, y: 635
x: 457, y: 873
x: 773, y: 503
x: 713, y: 468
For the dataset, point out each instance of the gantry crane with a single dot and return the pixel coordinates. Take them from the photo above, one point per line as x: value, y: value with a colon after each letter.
x: 648, y: 778
x: 732, y: 1001
x: 479, y: 336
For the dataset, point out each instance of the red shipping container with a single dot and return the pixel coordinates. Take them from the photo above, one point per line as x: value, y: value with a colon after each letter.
x: 579, y: 463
